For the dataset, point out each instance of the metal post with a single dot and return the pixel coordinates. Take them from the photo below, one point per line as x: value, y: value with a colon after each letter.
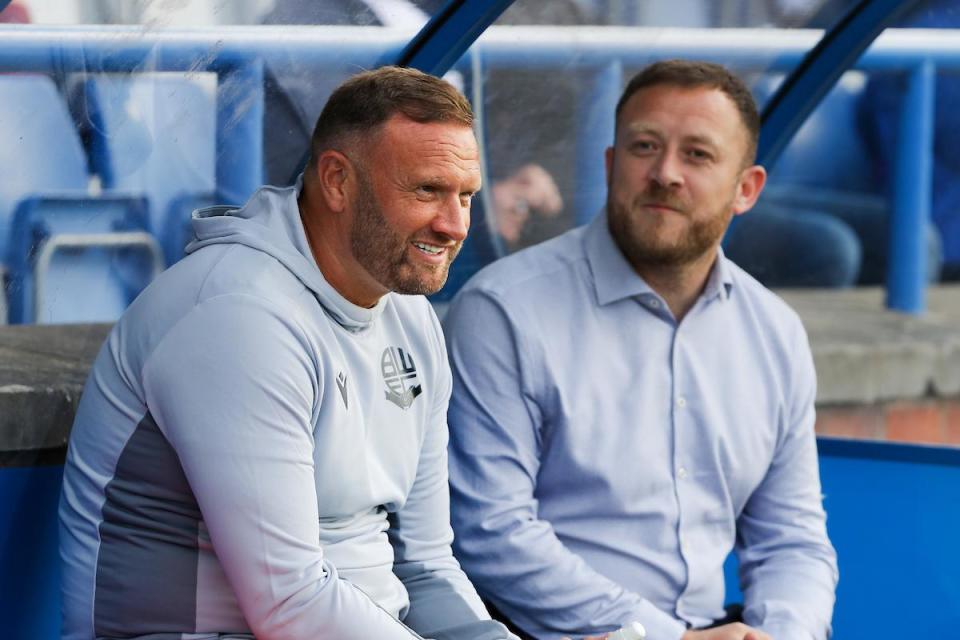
x: 240, y: 109
x: 593, y: 137
x: 912, y: 188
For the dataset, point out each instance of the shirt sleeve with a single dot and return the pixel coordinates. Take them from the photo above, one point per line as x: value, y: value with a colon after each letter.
x: 232, y: 388
x: 443, y: 603
x: 516, y: 559
x: 788, y: 567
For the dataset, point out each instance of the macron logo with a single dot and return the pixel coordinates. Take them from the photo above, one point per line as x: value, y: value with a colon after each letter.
x: 342, y: 385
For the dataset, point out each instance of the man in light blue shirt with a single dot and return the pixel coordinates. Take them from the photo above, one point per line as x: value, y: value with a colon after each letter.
x: 629, y: 405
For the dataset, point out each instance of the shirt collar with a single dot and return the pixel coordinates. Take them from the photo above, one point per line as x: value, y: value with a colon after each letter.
x: 720, y: 281
x: 614, y: 278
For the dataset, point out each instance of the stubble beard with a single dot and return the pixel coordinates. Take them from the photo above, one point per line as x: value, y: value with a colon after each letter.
x: 382, y: 251
x: 639, y: 237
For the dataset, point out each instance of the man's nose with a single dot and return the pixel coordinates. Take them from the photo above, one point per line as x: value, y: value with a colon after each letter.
x: 666, y: 169
x: 453, y: 220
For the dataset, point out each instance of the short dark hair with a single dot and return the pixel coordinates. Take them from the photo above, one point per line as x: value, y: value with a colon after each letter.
x: 366, y: 101
x: 693, y: 74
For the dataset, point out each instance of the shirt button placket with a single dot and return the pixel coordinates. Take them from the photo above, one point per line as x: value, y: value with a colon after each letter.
x: 681, y: 418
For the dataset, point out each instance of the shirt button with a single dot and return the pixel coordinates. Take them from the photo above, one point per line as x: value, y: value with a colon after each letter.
x: 681, y: 402
x: 653, y: 303
x: 682, y: 473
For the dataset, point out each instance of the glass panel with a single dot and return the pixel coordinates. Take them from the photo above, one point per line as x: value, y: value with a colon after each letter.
x: 850, y: 195
x: 551, y: 73
x: 907, y: 111
x: 140, y: 111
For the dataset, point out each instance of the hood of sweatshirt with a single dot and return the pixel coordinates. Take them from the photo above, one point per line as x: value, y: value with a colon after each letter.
x: 270, y: 222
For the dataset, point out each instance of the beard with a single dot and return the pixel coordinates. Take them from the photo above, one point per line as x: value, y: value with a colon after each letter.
x: 642, y: 238
x: 383, y: 251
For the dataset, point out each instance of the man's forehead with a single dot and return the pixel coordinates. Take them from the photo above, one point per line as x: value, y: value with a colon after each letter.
x: 698, y: 112
x: 431, y: 152
x: 692, y: 134
x: 400, y: 124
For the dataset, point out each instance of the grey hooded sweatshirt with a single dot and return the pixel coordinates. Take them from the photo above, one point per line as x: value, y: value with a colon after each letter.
x: 254, y: 455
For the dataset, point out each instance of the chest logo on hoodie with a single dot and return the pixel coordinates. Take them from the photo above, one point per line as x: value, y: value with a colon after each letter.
x: 400, y: 376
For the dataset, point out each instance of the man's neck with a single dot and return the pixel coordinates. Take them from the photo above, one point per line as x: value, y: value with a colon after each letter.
x: 331, y: 256
x: 679, y: 285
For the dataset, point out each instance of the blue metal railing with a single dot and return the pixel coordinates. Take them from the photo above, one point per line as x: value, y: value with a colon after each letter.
x: 238, y: 55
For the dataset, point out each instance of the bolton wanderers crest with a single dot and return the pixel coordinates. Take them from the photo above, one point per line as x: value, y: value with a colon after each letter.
x: 400, y: 376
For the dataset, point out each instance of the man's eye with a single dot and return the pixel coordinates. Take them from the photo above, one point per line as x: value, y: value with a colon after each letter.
x: 427, y: 189
x: 699, y: 154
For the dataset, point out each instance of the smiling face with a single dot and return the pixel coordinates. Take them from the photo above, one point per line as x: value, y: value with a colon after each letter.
x: 412, y: 205
x: 677, y: 174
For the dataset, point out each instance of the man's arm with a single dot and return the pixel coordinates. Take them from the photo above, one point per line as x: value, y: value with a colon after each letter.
x: 514, y: 558
x: 443, y: 603
x: 788, y: 566
x: 232, y: 387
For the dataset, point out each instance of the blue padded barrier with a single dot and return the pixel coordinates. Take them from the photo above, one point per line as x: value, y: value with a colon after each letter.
x: 892, y: 515
x: 155, y: 135
x: 30, y: 575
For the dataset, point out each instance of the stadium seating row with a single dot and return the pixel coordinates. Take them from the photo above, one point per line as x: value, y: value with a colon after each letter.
x: 146, y: 142
x: 84, y: 227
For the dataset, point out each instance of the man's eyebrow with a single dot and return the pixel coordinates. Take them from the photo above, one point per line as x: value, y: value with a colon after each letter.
x: 703, y: 139
x: 640, y: 127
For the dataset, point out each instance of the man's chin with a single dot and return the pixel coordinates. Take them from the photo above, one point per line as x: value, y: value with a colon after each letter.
x: 421, y: 286
x: 664, y: 255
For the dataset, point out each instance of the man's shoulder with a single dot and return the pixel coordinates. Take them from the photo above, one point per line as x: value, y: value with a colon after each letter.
x: 769, y: 307
x: 535, y: 271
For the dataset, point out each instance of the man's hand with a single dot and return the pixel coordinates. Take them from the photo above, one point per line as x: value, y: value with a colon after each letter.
x: 733, y: 631
x: 530, y: 189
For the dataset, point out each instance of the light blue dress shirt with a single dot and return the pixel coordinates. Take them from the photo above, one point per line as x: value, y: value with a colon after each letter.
x: 605, y: 459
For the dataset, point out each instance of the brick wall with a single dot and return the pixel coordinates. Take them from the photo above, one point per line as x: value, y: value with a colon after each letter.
x: 926, y: 421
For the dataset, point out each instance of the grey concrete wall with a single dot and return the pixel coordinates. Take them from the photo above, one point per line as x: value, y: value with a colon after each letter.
x: 863, y: 355
x: 42, y: 371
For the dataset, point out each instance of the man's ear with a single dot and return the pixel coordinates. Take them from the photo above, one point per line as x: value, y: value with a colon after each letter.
x: 332, y: 172
x: 749, y: 187
x: 608, y: 161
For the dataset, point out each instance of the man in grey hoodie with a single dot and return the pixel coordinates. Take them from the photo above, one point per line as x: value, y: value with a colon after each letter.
x: 261, y: 446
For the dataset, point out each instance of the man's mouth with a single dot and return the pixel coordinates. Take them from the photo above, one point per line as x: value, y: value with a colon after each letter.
x: 656, y: 204
x: 429, y: 249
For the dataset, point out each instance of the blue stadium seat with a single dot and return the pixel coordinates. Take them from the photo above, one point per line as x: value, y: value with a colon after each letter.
x: 827, y: 152
x: 40, y: 150
x: 155, y: 135
x: 53, y: 234
x: 75, y: 259
x: 824, y: 176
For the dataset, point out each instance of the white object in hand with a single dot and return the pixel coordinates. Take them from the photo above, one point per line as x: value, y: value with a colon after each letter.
x: 632, y: 631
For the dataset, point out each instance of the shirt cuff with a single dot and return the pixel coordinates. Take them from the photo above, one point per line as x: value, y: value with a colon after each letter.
x: 787, y: 630
x: 659, y: 625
